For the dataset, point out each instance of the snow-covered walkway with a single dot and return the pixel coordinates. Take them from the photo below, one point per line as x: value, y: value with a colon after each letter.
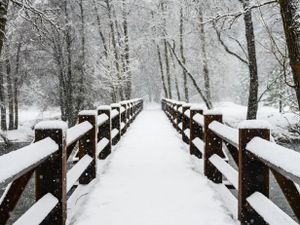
x: 150, y: 182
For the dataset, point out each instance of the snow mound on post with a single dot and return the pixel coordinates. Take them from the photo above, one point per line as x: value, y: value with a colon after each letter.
x: 186, y: 104
x: 51, y: 124
x: 254, y: 124
x: 103, y: 107
x: 115, y: 105
x: 196, y: 107
x: 212, y: 112
x: 88, y: 113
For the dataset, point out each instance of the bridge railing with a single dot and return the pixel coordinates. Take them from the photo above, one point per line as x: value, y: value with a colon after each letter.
x: 254, y: 156
x: 91, y: 138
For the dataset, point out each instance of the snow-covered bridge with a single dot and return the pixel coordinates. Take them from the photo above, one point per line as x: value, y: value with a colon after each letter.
x: 151, y: 174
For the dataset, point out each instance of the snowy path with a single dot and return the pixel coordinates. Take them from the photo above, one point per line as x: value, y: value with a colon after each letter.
x: 150, y: 182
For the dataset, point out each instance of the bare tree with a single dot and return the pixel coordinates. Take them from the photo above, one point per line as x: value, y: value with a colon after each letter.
x: 291, y: 22
x: 181, y: 30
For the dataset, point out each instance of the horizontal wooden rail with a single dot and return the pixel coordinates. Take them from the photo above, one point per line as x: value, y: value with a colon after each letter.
x: 91, y: 138
x: 254, y: 154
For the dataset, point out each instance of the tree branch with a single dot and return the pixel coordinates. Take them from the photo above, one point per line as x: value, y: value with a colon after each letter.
x: 207, y: 101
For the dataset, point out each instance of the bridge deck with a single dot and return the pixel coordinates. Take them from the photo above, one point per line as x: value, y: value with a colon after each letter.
x: 150, y: 181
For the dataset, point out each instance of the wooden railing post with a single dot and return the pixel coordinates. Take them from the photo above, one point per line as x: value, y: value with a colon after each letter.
x: 50, y: 176
x: 178, y: 116
x: 253, y: 174
x: 128, y: 106
x: 185, y: 122
x: 88, y: 145
x: 116, y: 123
x: 195, y: 131
x: 105, y: 131
x: 212, y: 145
x: 124, y: 118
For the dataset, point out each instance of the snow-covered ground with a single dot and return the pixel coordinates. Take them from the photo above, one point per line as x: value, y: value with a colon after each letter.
x: 150, y: 180
x: 27, y: 119
x: 233, y: 115
x: 281, y: 123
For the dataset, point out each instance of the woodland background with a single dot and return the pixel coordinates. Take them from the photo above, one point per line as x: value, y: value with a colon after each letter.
x: 77, y: 54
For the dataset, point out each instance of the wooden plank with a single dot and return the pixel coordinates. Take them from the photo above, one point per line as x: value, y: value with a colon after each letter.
x: 272, y: 214
x: 13, y: 195
x: 290, y: 192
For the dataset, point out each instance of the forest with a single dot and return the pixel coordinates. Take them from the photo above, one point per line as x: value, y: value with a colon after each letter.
x: 77, y: 54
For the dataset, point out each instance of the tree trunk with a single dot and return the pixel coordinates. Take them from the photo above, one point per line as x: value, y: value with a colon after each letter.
x: 10, y: 95
x: 16, y: 85
x: 2, y: 99
x: 185, y: 84
x: 69, y: 84
x: 128, y: 89
x: 168, y: 69
x: 162, y: 71
x: 204, y: 57
x: 253, y: 87
x: 3, y: 20
x: 163, y: 9
x: 100, y: 29
x: 194, y: 82
x: 291, y: 22
x: 114, y: 44
x: 175, y: 77
x: 81, y: 84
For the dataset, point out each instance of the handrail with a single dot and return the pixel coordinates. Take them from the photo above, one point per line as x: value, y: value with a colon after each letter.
x: 254, y: 155
x: 76, y: 132
x: 25, y: 159
x: 281, y: 159
x: 92, y: 138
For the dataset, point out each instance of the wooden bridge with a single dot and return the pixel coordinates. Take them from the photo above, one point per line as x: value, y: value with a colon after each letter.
x: 150, y: 179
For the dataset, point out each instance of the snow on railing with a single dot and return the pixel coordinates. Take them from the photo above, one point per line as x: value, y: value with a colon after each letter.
x: 228, y: 134
x: 47, y: 157
x: 228, y: 171
x: 114, y: 113
x: 76, y: 132
x: 279, y: 158
x: 101, y: 119
x: 16, y: 163
x: 39, y: 211
x: 198, y: 118
x: 74, y: 174
x: 271, y: 213
x: 253, y: 154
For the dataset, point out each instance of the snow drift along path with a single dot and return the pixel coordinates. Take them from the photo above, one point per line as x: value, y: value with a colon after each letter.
x: 150, y: 182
